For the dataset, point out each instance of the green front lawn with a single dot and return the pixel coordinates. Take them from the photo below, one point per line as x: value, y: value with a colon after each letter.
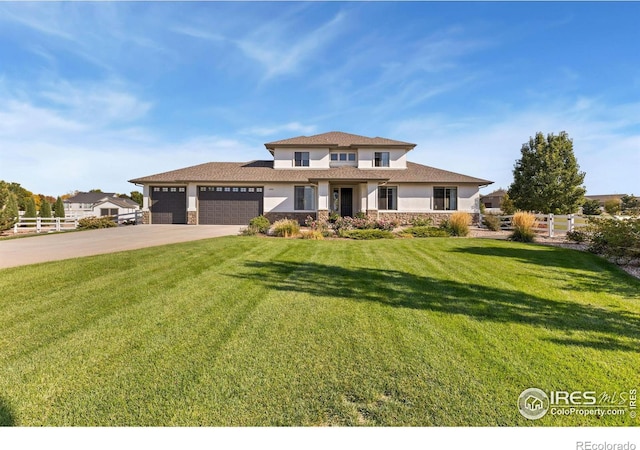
x: 259, y: 331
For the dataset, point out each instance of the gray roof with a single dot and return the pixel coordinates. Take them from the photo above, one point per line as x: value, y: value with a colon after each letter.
x: 335, y: 139
x: 89, y: 197
x: 96, y: 197
x: 263, y: 172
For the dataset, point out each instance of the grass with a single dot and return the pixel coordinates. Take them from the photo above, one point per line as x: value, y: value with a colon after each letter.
x: 249, y: 331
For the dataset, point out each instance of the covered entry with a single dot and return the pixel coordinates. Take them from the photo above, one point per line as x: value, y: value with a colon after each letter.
x: 168, y: 204
x: 229, y: 205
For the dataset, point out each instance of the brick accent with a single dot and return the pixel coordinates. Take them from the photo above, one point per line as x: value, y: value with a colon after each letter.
x: 301, y: 217
x: 146, y: 217
x: 437, y: 217
x: 372, y: 214
x: 192, y: 217
x: 323, y: 215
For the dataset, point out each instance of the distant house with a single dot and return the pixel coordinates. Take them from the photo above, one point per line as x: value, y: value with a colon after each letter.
x: 493, y: 200
x: 602, y: 199
x: 97, y: 204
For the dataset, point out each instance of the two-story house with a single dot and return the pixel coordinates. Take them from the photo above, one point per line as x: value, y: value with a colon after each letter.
x: 310, y: 176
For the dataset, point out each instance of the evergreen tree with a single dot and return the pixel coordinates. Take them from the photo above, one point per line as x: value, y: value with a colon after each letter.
x: 45, y: 208
x: 506, y: 206
x: 30, y: 208
x: 591, y: 208
x: 8, y: 209
x: 547, y: 178
x: 58, y: 208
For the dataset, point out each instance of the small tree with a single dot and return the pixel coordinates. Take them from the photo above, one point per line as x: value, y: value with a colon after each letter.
x: 8, y: 211
x: 547, y: 177
x: 30, y: 208
x: 613, y: 206
x: 58, y: 208
x: 45, y: 208
x: 591, y: 208
x: 630, y: 204
x: 136, y: 196
x: 506, y: 206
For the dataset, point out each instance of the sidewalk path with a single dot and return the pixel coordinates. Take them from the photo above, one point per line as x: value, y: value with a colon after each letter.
x: 54, y: 247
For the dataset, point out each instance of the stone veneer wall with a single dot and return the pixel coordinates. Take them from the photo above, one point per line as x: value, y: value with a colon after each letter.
x: 437, y: 217
x: 192, y: 217
x: 323, y: 215
x: 146, y: 217
x: 301, y: 217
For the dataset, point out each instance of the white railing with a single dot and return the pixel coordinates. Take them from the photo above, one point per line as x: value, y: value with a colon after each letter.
x: 49, y: 224
x: 549, y: 224
x: 45, y: 224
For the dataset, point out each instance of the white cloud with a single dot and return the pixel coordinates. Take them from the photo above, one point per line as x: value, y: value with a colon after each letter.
x: 486, y: 147
x: 291, y: 127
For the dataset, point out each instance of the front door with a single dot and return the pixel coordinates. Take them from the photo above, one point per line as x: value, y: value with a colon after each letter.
x: 346, y: 202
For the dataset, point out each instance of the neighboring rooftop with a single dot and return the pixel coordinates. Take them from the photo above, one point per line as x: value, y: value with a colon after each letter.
x: 95, y: 197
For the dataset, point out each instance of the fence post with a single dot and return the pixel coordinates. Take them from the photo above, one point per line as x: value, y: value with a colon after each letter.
x: 570, y: 223
x: 57, y: 223
x: 551, y: 225
x: 15, y: 227
x: 38, y: 224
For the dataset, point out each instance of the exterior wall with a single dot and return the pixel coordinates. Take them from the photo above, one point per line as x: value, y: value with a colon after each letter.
x: 284, y: 158
x: 192, y: 204
x: 414, y: 197
x: 278, y: 198
x: 397, y: 158
x: 108, y: 205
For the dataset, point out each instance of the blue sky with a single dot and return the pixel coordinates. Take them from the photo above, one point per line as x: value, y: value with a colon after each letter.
x: 93, y: 94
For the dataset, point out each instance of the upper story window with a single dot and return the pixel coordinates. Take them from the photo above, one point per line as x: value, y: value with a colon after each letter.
x: 381, y: 159
x: 301, y: 159
x: 351, y: 157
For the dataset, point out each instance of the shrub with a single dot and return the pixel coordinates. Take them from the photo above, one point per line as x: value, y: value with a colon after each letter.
x: 261, y: 224
x: 285, y: 228
x: 367, y: 234
x: 313, y: 235
x: 333, y: 217
x: 491, y: 221
x: 615, y: 237
x: 458, y: 224
x: 249, y: 231
x: 591, y: 208
x: 387, y: 225
x: 361, y: 215
x: 421, y: 222
x: 425, y: 231
x: 576, y: 236
x: 523, y: 227
x: 92, y: 223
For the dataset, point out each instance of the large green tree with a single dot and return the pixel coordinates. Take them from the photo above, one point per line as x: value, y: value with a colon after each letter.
x: 547, y: 178
x: 8, y: 207
x: 30, y: 208
x: 45, y: 208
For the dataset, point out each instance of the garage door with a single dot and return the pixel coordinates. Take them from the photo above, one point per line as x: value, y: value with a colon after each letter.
x: 228, y: 205
x: 168, y: 205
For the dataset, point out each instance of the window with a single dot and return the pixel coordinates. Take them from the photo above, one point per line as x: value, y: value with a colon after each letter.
x: 108, y: 212
x: 304, y: 198
x: 343, y: 157
x: 381, y: 159
x: 387, y: 197
x: 302, y: 159
x: 445, y: 198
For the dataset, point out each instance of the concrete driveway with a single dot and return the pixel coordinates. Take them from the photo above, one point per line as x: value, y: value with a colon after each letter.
x: 54, y: 247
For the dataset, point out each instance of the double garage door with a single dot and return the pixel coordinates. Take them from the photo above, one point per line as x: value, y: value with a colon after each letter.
x: 228, y: 205
x: 217, y: 205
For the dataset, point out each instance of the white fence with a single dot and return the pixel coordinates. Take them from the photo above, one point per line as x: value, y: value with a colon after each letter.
x: 549, y: 224
x: 49, y: 224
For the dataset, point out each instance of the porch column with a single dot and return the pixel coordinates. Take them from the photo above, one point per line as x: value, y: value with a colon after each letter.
x: 363, y: 197
x: 192, y: 202
x: 323, y: 200
x: 146, y: 212
x: 372, y: 199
